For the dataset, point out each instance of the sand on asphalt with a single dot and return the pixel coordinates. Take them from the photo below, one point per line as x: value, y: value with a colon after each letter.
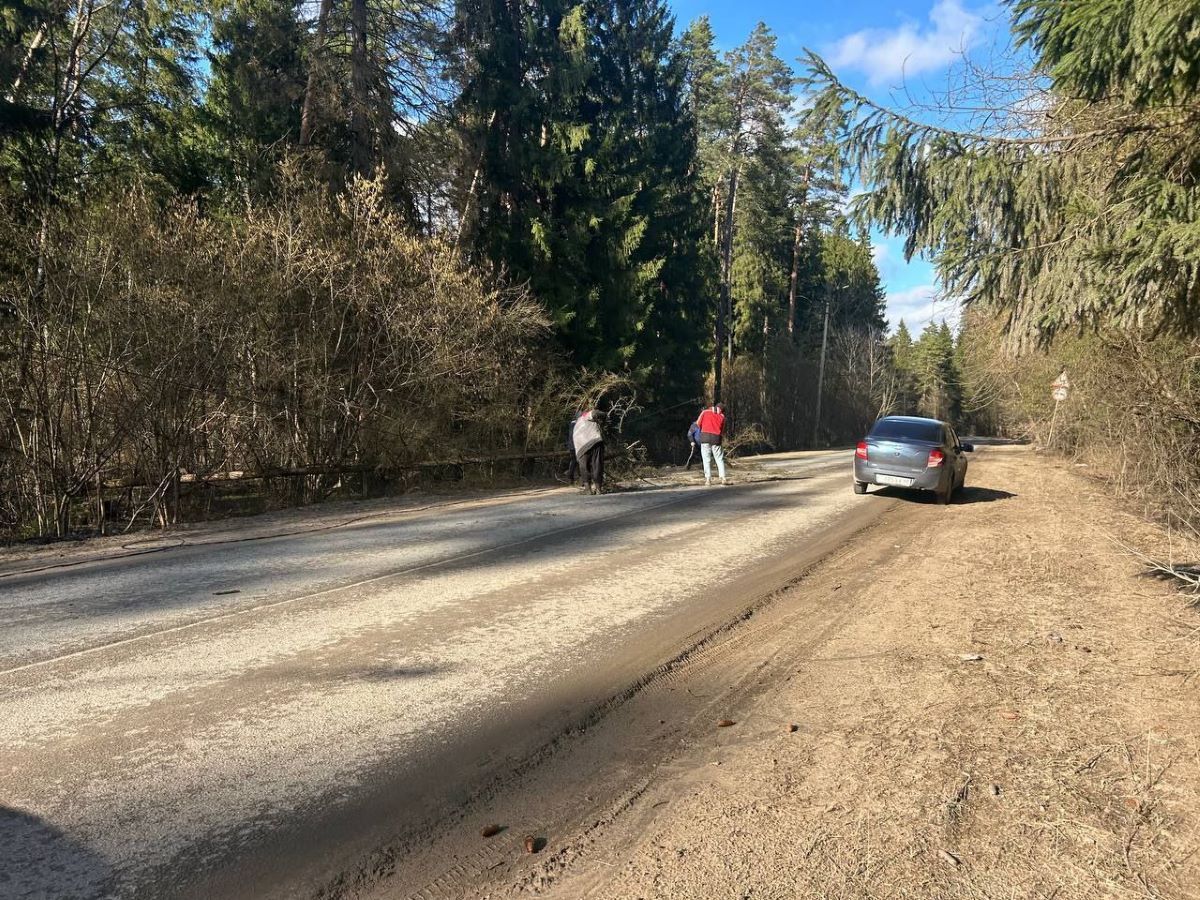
x: 257, y: 718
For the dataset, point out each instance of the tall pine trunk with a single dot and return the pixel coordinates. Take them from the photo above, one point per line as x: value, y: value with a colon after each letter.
x: 727, y: 254
x: 317, y: 59
x: 724, y: 305
x: 792, y: 285
x: 716, y: 214
x: 360, y: 154
x: 802, y: 200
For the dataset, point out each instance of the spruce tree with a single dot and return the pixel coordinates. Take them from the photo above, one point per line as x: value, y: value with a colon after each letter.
x: 520, y: 76
x: 580, y: 143
x: 1075, y: 206
x: 763, y: 246
x: 937, y: 379
x: 96, y: 92
x: 647, y: 258
x: 816, y: 195
x: 901, y: 346
x: 851, y: 281
x: 254, y: 100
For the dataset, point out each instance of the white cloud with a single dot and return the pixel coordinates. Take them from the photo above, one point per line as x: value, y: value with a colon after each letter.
x: 889, y: 54
x: 918, y: 306
x: 881, y: 255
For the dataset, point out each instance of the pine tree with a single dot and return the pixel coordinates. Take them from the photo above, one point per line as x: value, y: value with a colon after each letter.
x: 755, y: 96
x: 705, y: 100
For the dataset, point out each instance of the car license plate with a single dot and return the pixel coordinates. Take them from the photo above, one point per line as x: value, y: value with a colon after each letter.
x: 894, y: 479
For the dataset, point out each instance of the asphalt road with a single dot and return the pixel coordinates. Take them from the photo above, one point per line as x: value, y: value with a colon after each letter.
x: 256, y: 718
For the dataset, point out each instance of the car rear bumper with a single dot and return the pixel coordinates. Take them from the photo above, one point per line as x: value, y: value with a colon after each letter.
x: 924, y: 479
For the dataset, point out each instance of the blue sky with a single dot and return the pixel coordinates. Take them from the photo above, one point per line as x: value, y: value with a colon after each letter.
x: 894, y: 52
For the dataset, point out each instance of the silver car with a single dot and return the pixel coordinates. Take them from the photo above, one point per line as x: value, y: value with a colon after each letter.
x: 905, y: 451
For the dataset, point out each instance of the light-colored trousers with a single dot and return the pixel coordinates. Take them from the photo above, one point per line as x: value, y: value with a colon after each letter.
x: 707, y: 453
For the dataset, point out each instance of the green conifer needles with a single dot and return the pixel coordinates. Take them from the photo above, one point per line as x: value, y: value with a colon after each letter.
x: 1082, y: 210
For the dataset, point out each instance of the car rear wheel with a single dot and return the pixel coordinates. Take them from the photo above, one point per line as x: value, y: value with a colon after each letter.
x: 942, y: 492
x: 860, y: 487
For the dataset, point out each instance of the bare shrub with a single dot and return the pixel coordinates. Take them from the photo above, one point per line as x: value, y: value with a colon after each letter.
x: 1133, y: 415
x: 777, y: 393
x: 314, y: 334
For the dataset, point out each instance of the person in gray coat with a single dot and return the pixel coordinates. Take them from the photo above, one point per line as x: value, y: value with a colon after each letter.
x: 589, y: 449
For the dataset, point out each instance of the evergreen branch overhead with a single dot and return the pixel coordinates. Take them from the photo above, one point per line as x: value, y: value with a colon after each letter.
x: 1091, y: 220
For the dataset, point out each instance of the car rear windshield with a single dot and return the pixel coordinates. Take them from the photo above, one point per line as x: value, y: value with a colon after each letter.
x: 899, y: 430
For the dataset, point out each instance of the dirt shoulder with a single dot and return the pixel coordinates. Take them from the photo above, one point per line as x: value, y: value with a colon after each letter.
x: 874, y: 755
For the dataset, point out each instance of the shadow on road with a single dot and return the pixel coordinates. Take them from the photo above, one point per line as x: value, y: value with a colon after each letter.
x: 402, y: 796
x: 966, y: 495
x: 254, y: 568
x: 38, y: 860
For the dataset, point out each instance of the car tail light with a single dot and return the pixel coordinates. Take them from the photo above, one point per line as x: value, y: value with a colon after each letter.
x: 936, y: 457
x: 861, y: 450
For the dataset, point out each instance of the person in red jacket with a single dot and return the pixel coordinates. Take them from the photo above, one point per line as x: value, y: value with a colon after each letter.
x: 712, y: 425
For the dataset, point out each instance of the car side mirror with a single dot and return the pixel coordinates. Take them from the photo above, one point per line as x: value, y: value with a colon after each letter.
x: 967, y: 448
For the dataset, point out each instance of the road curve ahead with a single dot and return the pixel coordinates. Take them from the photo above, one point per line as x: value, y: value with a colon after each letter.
x: 254, y: 719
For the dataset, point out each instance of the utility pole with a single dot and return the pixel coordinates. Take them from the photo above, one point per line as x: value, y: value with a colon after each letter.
x: 821, y: 371
x: 821, y: 374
